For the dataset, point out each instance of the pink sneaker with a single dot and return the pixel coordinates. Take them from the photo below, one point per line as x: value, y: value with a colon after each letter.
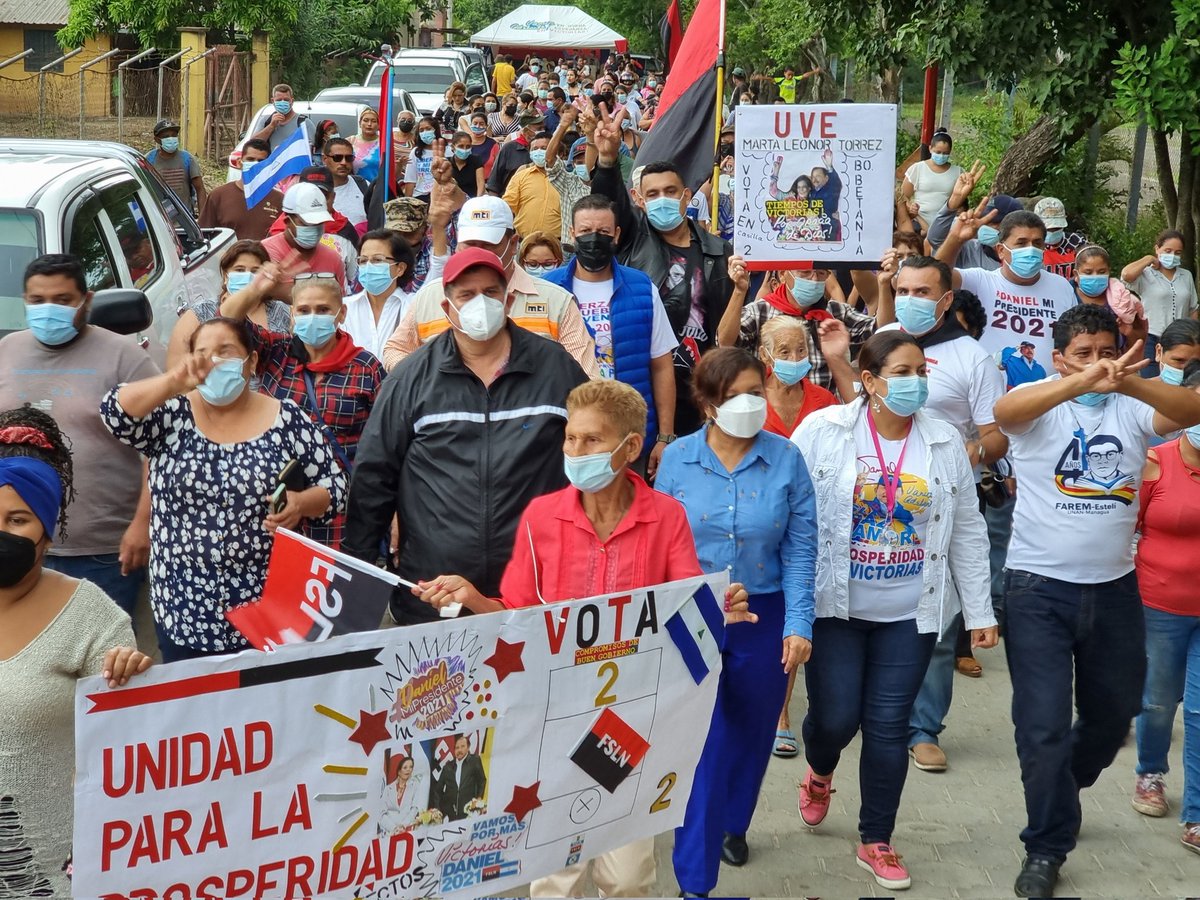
x: 814, y: 799
x: 884, y: 863
x: 1149, y: 796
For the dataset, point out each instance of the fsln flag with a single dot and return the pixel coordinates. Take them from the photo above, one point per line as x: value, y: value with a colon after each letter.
x: 312, y: 593
x: 287, y: 159
x: 670, y: 30
x: 610, y: 750
x: 698, y: 630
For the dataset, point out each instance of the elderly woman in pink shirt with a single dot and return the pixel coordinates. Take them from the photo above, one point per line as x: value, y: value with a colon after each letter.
x: 608, y: 532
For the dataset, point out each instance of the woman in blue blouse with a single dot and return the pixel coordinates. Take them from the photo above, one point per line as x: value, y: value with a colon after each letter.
x: 751, y: 507
x: 216, y: 449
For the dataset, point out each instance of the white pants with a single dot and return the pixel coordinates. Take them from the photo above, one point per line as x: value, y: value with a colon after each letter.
x: 628, y: 871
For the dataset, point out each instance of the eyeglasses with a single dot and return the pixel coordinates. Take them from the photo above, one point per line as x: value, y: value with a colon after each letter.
x: 376, y: 260
x: 304, y: 276
x: 340, y: 157
x: 1106, y: 456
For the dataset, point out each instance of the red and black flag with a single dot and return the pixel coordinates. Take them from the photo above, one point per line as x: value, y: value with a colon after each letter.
x: 684, y: 130
x: 610, y: 750
x: 670, y: 29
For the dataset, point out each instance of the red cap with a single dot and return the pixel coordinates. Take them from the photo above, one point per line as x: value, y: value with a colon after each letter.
x: 468, y: 259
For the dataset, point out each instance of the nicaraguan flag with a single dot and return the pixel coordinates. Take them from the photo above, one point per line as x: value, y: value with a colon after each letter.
x: 698, y: 630
x: 288, y: 159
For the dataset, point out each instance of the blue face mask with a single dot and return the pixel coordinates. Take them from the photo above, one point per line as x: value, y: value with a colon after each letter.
x: 463, y: 153
x: 906, y: 393
x: 664, y: 213
x: 52, y: 323
x: 236, y: 281
x: 1171, y: 375
x: 916, y: 315
x: 538, y: 271
x: 538, y: 158
x: 314, y: 329
x: 587, y: 92
x: 282, y: 107
x: 1193, y: 436
x: 1093, y: 285
x: 1092, y: 399
x: 1168, y: 260
x: 542, y: 95
x: 582, y: 172
x: 1054, y: 237
x: 652, y: 84
x: 988, y: 236
x: 376, y: 278
x: 1026, y: 261
x: 806, y: 292
x: 224, y: 382
x: 170, y: 145
x: 593, y: 472
x: 478, y: 129
x: 790, y: 371
x: 426, y: 136
x: 940, y: 158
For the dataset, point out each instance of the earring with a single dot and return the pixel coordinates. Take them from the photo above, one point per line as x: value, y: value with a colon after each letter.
x: 874, y: 403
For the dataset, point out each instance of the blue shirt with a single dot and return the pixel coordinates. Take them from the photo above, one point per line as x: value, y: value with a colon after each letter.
x: 1021, y: 371
x: 759, y: 521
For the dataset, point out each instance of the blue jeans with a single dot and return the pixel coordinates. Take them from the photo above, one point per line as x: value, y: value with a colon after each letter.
x: 865, y: 675
x: 1070, y: 642
x: 999, y: 526
x: 1172, y: 674
x: 734, y: 761
x: 928, y: 718
x: 104, y: 571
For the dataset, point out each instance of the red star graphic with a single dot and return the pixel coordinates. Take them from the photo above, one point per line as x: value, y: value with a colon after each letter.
x: 371, y: 730
x: 506, y: 659
x: 524, y: 801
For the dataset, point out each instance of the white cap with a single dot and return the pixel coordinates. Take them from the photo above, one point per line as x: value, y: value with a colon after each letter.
x: 308, y: 202
x: 484, y: 219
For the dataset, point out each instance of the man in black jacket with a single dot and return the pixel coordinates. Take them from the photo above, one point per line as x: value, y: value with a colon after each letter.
x: 514, y: 153
x: 464, y: 432
x: 461, y: 780
x: 689, y: 266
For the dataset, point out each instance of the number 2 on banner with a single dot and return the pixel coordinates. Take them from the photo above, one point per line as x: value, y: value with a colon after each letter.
x: 606, y: 696
x: 1015, y: 323
x: 665, y: 785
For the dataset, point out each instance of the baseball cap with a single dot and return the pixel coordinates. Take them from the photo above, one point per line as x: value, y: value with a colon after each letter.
x: 530, y: 117
x: 727, y: 128
x: 404, y: 214
x: 318, y: 175
x: 1004, y: 204
x: 308, y: 202
x: 739, y: 71
x: 485, y: 219
x: 164, y: 125
x: 469, y: 259
x: 1028, y: 344
x: 1052, y: 212
x: 580, y: 146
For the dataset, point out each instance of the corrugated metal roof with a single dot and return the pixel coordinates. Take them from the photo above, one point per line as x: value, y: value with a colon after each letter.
x: 34, y: 12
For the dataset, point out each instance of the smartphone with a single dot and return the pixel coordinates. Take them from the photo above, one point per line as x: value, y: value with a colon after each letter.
x: 291, y: 476
x: 279, y: 499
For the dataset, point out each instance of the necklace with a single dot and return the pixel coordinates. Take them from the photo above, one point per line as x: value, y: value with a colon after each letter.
x: 891, y: 480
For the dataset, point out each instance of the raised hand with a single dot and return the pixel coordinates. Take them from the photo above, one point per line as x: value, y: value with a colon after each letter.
x: 969, y: 221
x: 189, y: 373
x: 738, y: 274
x: 440, y: 168
x: 1105, y: 375
x: 888, y: 267
x: 965, y: 185
x: 834, y: 338
x: 608, y: 136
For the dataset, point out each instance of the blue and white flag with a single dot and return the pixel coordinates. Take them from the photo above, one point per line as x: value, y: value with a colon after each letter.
x: 698, y: 631
x: 289, y: 158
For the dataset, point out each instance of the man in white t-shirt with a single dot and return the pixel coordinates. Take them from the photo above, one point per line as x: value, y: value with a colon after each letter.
x: 1075, y: 633
x: 625, y: 315
x: 964, y: 385
x: 1021, y: 299
x: 349, y: 190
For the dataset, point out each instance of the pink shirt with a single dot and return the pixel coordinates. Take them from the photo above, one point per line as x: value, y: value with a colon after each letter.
x: 323, y: 259
x: 567, y: 561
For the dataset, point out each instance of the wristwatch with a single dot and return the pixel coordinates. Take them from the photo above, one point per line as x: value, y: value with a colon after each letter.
x: 665, y: 439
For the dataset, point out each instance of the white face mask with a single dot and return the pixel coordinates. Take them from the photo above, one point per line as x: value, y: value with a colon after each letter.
x: 482, y: 317
x: 742, y: 416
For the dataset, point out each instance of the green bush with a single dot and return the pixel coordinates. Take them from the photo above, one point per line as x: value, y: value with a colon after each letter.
x: 1107, y: 228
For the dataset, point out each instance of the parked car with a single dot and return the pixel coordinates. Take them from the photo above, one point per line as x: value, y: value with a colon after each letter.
x: 344, y: 113
x: 402, y: 100
x: 473, y: 54
x: 427, y: 73
x: 105, y: 204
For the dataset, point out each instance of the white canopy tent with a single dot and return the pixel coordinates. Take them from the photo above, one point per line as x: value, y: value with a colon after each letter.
x: 551, y: 27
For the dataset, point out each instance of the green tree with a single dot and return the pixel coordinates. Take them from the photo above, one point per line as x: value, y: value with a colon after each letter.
x: 155, y: 22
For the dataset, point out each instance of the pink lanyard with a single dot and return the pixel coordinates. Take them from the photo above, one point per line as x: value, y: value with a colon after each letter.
x: 893, y: 479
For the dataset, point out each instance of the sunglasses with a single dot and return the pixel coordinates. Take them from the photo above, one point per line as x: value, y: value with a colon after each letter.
x: 340, y: 157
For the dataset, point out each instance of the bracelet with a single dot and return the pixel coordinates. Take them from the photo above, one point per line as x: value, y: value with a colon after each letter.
x: 665, y: 439
x: 981, y: 451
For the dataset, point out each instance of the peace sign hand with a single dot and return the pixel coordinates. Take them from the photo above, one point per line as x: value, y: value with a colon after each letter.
x: 965, y: 185
x: 1105, y: 375
x: 969, y: 221
x: 608, y: 137
x: 440, y: 167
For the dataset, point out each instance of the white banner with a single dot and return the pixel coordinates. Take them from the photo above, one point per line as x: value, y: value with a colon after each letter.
x: 456, y: 758
x: 814, y: 183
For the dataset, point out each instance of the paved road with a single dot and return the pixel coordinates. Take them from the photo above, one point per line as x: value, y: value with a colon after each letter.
x: 958, y: 830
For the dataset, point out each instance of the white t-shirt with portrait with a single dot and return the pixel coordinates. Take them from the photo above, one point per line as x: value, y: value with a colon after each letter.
x: 595, y: 299
x: 1020, y: 312
x: 887, y: 551
x: 348, y: 199
x: 1079, y: 469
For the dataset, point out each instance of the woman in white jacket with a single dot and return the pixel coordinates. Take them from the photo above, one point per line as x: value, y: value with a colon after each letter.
x: 898, y: 521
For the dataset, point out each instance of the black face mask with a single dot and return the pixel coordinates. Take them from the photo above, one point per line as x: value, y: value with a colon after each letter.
x: 510, y: 110
x: 594, y: 251
x: 18, y: 556
x: 407, y: 126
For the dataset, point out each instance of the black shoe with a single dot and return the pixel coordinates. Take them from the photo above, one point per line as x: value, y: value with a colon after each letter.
x: 734, y: 850
x: 1038, y: 876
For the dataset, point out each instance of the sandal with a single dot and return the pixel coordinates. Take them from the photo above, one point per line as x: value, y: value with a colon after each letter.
x: 786, y: 745
x: 967, y: 665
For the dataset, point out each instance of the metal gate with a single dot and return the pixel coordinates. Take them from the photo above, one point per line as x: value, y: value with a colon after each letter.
x: 227, y: 99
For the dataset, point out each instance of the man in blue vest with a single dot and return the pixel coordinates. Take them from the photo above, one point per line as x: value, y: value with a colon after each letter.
x: 626, y: 317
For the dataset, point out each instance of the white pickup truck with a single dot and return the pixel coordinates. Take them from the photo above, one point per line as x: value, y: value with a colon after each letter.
x: 105, y: 204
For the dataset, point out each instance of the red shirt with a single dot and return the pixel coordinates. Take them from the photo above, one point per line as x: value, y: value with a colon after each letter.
x: 323, y: 259
x: 1169, y: 520
x: 557, y: 551
x: 815, y: 397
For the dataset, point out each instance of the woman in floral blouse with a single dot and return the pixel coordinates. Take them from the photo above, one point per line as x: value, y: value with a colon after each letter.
x: 216, y: 450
